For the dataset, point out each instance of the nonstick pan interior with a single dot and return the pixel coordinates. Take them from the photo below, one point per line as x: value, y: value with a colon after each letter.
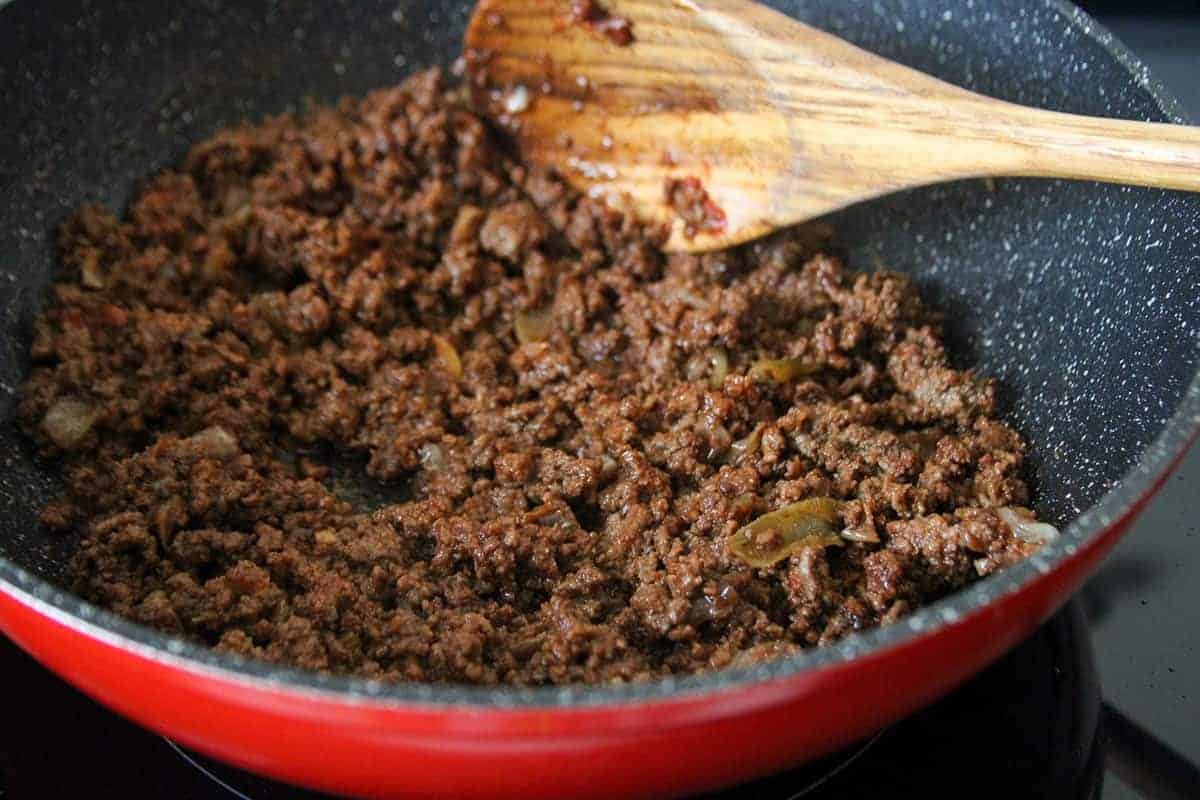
x: 1080, y: 299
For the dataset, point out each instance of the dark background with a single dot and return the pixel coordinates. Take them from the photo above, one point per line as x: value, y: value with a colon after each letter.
x: 1144, y: 601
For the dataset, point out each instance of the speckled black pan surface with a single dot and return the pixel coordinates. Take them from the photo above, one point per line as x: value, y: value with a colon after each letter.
x: 1082, y: 300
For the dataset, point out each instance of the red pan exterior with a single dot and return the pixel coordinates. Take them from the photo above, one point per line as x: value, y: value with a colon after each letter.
x: 649, y: 749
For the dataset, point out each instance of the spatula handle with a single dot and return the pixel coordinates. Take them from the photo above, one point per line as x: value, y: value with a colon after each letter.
x: 1059, y: 145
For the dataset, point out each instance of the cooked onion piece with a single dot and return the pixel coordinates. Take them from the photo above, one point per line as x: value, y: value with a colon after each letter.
x: 777, y: 535
x: 1025, y: 525
x: 68, y: 421
x: 533, y: 326
x: 782, y: 370
x: 744, y: 447
x: 447, y: 355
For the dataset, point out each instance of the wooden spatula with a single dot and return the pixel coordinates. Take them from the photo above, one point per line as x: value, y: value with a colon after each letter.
x: 743, y: 120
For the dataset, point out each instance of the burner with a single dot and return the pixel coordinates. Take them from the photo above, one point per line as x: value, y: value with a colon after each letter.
x: 804, y: 782
x: 1028, y: 724
x: 1027, y: 727
x: 242, y: 785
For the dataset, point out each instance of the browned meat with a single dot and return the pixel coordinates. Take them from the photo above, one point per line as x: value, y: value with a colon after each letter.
x: 356, y: 392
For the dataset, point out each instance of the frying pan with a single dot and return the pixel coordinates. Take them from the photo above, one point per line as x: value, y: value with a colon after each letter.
x: 1082, y: 300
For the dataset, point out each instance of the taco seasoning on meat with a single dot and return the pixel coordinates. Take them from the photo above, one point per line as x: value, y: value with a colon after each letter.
x: 354, y: 391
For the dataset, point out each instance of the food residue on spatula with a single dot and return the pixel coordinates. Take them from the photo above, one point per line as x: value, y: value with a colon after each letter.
x: 597, y: 18
x: 690, y: 201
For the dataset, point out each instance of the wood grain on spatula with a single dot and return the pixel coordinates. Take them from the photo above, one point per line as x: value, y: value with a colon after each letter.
x: 755, y: 121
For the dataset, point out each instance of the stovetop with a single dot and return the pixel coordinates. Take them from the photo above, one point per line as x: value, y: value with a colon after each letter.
x: 1028, y: 726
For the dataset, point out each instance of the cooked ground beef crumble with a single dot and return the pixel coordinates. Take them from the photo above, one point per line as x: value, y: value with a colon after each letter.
x: 571, y: 426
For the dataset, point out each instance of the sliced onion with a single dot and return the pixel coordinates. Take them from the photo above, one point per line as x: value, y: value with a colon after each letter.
x: 608, y: 466
x: 1025, y: 526
x: 744, y: 446
x: 860, y: 535
x: 533, y: 326
x: 90, y: 274
x: 216, y: 442
x: 782, y: 370
x: 718, y: 363
x: 68, y: 421
x: 432, y: 457
x: 777, y: 535
x: 448, y: 355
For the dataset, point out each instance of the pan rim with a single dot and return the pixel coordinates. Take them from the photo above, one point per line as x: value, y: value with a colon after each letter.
x: 1136, y: 485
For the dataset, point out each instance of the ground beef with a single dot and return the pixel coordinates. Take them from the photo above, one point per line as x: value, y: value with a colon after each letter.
x: 357, y: 392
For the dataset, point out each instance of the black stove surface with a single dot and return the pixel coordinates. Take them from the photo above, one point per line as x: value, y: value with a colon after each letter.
x: 1030, y: 722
